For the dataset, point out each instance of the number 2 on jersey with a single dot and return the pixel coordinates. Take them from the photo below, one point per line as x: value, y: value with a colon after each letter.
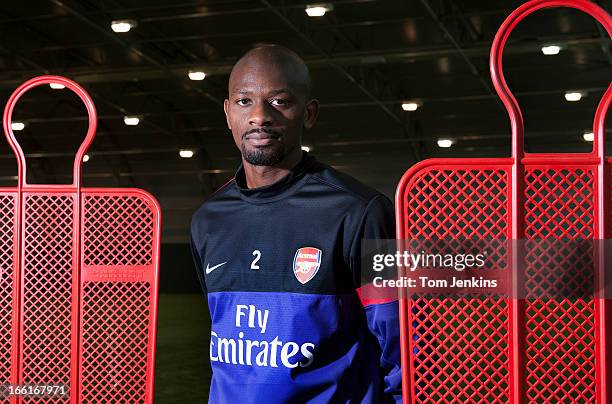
x: 257, y: 255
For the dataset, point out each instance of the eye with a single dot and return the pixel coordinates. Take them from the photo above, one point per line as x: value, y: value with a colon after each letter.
x: 242, y: 101
x: 278, y: 102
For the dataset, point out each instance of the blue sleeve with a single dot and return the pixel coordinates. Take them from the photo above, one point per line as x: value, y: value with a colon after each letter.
x: 378, y: 222
x: 383, y: 322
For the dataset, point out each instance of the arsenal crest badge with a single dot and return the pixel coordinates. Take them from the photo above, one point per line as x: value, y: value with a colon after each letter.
x: 306, y: 263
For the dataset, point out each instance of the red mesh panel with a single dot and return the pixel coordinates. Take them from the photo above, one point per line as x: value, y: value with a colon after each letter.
x: 47, y: 292
x: 118, y: 291
x: 556, y: 338
x: 87, y: 285
x: 118, y: 230
x: 7, y: 251
x: 461, y: 350
x: 457, y: 203
x: 559, y: 203
x: 560, y: 336
x: 459, y: 346
x: 118, y: 312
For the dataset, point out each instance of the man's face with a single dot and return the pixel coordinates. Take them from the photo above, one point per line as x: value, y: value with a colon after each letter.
x: 266, y: 113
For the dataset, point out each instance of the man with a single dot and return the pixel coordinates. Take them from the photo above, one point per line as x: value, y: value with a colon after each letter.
x: 277, y: 250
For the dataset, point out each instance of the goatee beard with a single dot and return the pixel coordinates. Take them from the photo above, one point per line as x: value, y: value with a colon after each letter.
x: 261, y: 156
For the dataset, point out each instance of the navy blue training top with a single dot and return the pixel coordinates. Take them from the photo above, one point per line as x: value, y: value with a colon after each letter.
x: 280, y: 267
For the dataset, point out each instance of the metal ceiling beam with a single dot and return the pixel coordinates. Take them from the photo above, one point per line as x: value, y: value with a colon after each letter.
x: 248, y: 34
x: 160, y: 65
x: 142, y: 54
x: 231, y: 10
x: 328, y: 60
x: 603, y: 35
x: 178, y: 38
x: 436, y: 16
x: 41, y: 171
x: 155, y: 130
x: 363, y: 23
x: 234, y: 11
x: 605, y: 44
x: 105, y: 74
x: 44, y: 170
x: 111, y: 137
x: 159, y: 129
x: 37, y: 171
x: 326, y: 104
x: 342, y: 70
x: 128, y: 47
x: 455, y: 136
x: 123, y: 162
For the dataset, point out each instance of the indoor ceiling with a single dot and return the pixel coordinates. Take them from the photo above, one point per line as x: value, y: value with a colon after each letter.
x: 366, y: 57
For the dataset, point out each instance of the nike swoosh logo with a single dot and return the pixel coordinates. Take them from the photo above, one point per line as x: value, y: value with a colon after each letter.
x: 210, y: 269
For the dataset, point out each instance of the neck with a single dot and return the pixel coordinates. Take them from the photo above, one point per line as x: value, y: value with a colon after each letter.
x: 261, y: 176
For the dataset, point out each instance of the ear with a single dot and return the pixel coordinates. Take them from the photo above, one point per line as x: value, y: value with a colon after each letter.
x: 226, y: 109
x: 311, y: 113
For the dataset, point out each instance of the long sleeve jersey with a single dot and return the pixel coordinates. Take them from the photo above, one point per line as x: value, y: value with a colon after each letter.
x: 280, y: 267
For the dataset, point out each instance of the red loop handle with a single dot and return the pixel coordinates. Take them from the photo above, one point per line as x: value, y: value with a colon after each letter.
x: 10, y: 136
x: 497, y: 74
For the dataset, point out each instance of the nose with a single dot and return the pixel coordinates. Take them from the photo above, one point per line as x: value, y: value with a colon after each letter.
x: 260, y: 115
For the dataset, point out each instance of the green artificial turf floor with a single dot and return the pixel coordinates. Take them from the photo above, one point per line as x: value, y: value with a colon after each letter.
x: 182, y: 370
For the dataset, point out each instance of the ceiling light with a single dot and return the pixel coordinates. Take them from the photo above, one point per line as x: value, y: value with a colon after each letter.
x: 17, y: 126
x: 131, y: 120
x: 588, y: 136
x: 551, y: 50
x: 318, y: 10
x: 186, y: 154
x: 573, y: 96
x: 410, y: 106
x: 86, y: 158
x: 197, y: 76
x: 445, y: 143
x: 306, y: 148
x: 57, y: 86
x: 121, y: 26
